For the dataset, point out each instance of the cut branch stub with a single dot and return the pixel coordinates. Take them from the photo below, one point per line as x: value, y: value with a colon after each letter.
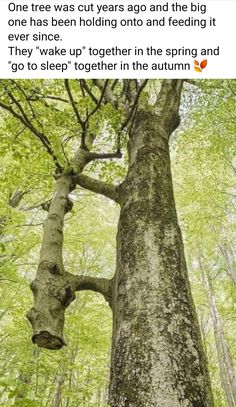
x: 52, y: 296
x: 53, y: 293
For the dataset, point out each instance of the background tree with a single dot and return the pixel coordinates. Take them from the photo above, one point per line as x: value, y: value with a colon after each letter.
x: 205, y: 194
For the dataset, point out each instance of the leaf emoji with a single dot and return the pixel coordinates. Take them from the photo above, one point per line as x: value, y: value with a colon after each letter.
x: 203, y: 64
x: 196, y: 62
x: 197, y: 69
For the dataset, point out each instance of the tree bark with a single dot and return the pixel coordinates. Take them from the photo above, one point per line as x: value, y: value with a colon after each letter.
x: 157, y: 355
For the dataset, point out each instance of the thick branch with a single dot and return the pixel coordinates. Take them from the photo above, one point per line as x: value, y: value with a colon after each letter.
x: 16, y: 197
x: 109, y: 96
x: 83, y: 157
x: 98, y: 105
x: 169, y: 95
x: 134, y: 105
x: 98, y: 187
x: 89, y: 92
x: 104, y: 156
x: 130, y: 88
x: 167, y: 104
x: 99, y: 285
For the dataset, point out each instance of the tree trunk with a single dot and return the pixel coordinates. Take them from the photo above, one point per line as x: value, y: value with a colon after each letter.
x: 229, y: 257
x: 157, y: 354
x: 52, y: 291
x: 227, y: 373
x: 54, y: 288
x: 56, y: 401
x: 24, y: 381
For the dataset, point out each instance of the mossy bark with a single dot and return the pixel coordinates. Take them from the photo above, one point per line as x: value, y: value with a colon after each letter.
x: 157, y: 355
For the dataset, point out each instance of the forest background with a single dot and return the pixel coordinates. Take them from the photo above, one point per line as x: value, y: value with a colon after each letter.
x: 204, y: 173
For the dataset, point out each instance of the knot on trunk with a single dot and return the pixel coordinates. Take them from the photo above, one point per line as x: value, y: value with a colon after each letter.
x: 52, y: 295
x: 68, y: 205
x: 54, y: 269
x: 66, y: 296
x: 46, y: 205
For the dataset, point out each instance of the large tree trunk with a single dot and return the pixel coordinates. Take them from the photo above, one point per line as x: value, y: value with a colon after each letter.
x: 157, y: 355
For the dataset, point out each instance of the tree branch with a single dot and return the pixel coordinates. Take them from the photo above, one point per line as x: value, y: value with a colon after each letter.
x: 16, y: 84
x: 104, y: 156
x: 98, y: 103
x: 192, y: 82
x: 99, y: 187
x: 16, y: 197
x: 82, y: 157
x: 99, y: 285
x: 73, y: 103
x: 124, y: 124
x: 114, y: 84
x: 109, y: 96
x: 167, y: 104
x: 88, y: 90
x: 25, y: 121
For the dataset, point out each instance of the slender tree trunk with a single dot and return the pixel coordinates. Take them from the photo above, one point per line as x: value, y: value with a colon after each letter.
x: 72, y: 360
x: 24, y: 381
x: 227, y: 373
x: 223, y: 380
x: 157, y: 354
x: 229, y: 256
x: 54, y: 288
x: 51, y: 290
x: 223, y: 372
x: 56, y: 401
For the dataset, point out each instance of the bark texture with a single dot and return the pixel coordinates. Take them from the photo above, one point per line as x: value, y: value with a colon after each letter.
x: 157, y: 355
